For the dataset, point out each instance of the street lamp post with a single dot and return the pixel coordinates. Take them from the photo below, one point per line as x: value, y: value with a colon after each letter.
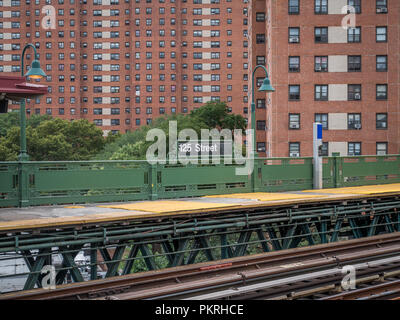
x: 266, y: 87
x: 35, y: 72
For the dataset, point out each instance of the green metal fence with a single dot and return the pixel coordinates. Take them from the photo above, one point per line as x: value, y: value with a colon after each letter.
x: 40, y: 183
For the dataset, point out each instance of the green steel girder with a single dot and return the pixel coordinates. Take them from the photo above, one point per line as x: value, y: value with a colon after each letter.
x: 30, y: 262
x: 336, y: 230
x: 200, y: 242
x: 130, y: 259
x: 243, y: 240
x: 273, y: 236
x: 289, y: 237
x: 148, y: 257
x: 35, y: 269
x: 263, y: 239
x: 68, y: 265
x: 112, y: 266
x: 69, y: 262
x: 93, y: 261
x: 178, y: 241
x: 180, y: 252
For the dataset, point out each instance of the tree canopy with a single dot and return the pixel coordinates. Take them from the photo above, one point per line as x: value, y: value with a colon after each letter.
x: 133, y: 145
x: 53, y: 140
x: 11, y: 119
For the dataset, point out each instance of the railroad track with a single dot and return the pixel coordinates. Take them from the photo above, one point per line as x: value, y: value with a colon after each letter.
x: 389, y: 290
x: 314, y: 267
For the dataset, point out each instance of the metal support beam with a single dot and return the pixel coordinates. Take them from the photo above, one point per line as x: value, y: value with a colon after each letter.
x: 242, y: 243
x: 336, y: 230
x: 263, y: 239
x: 93, y: 261
x: 112, y: 267
x: 180, y: 254
x: 130, y: 259
x: 35, y: 271
x: 147, y: 255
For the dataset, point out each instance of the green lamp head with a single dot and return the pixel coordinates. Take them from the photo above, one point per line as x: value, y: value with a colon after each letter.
x: 35, y: 72
x: 266, y: 86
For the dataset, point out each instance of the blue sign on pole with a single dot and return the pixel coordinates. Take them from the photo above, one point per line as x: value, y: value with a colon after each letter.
x: 319, y: 131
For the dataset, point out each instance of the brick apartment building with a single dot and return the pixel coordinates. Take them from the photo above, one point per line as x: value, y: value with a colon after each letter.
x: 122, y: 63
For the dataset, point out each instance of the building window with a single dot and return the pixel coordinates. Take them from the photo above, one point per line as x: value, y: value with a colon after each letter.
x: 294, y: 7
x: 294, y: 121
x: 381, y: 91
x: 294, y: 64
x: 354, y: 92
x: 321, y: 34
x: 321, y: 7
x: 354, y: 148
x: 323, y: 119
x: 354, y: 121
x: 261, y: 147
x: 294, y: 149
x: 261, y: 125
x: 354, y: 64
x: 260, y: 16
x: 325, y: 149
x: 321, y: 92
x: 381, y: 6
x: 381, y: 121
x: 294, y: 35
x: 381, y: 34
x: 294, y: 92
x: 260, y: 60
x: 356, y: 4
x: 381, y: 63
x: 261, y: 104
x: 354, y: 35
x: 321, y: 64
x: 260, y: 38
x: 381, y: 148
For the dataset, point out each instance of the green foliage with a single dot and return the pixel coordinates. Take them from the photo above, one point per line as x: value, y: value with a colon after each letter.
x: 11, y: 119
x: 215, y: 115
x: 54, y: 140
x: 133, y: 145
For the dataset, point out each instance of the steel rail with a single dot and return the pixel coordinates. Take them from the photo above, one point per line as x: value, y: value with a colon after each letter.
x: 324, y: 255
x: 306, y: 280
x: 373, y: 292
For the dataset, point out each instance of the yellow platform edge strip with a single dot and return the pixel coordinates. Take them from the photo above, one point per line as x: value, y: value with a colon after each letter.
x: 382, y: 188
x: 168, y: 206
x: 266, y: 196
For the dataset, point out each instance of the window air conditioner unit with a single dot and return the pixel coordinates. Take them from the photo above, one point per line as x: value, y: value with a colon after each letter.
x: 294, y: 39
x: 294, y: 154
x: 381, y: 153
x: 381, y: 10
x: 357, y: 96
x: 294, y: 126
x: 318, y: 68
x: 357, y: 126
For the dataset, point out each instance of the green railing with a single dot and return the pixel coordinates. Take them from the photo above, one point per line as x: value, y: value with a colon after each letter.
x: 41, y: 183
